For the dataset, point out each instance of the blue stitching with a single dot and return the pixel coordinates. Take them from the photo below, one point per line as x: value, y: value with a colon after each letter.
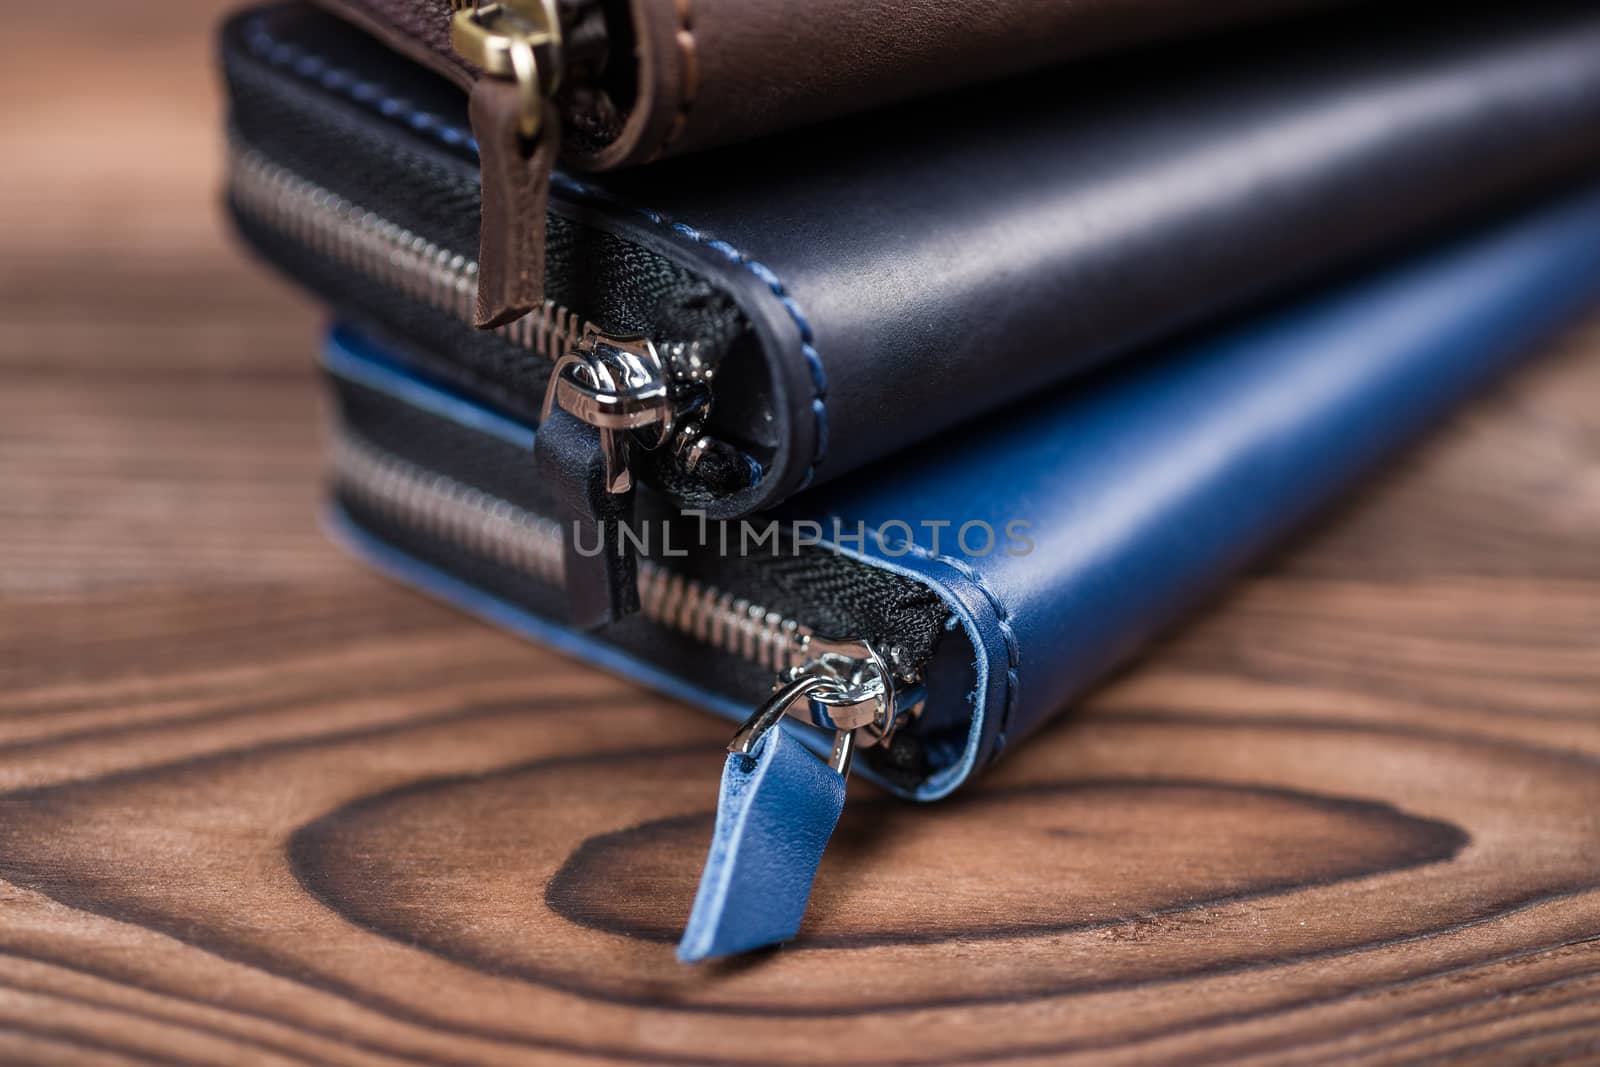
x: 293, y: 58
x: 1001, y: 615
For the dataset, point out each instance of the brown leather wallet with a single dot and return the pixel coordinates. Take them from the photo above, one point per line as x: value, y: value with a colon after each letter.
x: 636, y: 80
x: 662, y: 77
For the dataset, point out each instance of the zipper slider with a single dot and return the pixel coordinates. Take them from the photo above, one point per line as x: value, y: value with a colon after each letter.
x: 603, y: 397
x: 518, y: 46
x: 616, y: 385
x: 779, y: 804
x: 518, y: 40
x: 842, y: 685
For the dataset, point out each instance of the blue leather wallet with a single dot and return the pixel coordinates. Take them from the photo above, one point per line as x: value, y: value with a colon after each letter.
x: 919, y: 618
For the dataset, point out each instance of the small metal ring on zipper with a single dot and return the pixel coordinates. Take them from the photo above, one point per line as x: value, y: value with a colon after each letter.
x: 782, y: 701
x: 862, y: 693
x: 772, y: 711
x: 513, y: 39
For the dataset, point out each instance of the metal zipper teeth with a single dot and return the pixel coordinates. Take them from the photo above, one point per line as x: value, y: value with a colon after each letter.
x: 387, y: 253
x: 514, y: 537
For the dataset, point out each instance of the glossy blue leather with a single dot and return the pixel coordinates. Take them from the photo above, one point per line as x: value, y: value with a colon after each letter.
x: 1145, y: 491
x: 777, y: 808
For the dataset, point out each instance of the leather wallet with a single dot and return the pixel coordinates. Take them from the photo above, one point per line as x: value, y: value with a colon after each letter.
x: 777, y: 315
x: 636, y: 81
x: 921, y: 618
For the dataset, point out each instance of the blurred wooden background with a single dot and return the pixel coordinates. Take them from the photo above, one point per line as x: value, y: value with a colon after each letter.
x: 258, y: 806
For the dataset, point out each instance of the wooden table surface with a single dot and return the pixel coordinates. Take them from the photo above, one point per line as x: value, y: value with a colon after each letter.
x: 259, y: 806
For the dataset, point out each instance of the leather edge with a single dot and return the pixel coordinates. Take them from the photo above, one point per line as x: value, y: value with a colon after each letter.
x: 666, y: 81
x: 794, y: 392
x: 983, y: 618
x: 459, y: 72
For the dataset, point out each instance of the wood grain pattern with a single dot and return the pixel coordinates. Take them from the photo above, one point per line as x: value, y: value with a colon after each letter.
x: 258, y: 806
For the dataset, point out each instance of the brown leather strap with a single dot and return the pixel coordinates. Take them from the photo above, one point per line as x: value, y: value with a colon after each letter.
x: 516, y: 191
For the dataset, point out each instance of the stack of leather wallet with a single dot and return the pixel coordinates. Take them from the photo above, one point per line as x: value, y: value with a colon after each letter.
x: 883, y: 397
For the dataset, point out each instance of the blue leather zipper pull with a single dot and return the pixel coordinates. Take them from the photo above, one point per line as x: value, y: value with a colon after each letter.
x: 777, y: 810
x: 779, y: 803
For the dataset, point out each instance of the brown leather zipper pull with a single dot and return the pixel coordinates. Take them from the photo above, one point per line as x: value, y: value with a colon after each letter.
x: 516, y: 192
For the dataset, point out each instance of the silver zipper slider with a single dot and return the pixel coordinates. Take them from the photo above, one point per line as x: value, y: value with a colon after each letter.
x: 619, y: 386
x: 843, y: 685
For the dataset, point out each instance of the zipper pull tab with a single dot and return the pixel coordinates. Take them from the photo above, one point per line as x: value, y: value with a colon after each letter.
x: 779, y: 804
x: 601, y: 395
x: 517, y: 45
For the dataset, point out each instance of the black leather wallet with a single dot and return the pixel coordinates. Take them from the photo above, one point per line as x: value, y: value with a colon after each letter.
x: 806, y: 306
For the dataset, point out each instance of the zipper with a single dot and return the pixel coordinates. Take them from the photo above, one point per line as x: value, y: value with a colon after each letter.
x: 777, y: 805
x: 446, y: 280
x: 622, y: 394
x: 607, y: 393
x: 512, y: 56
x: 387, y: 253
x: 846, y: 685
x: 609, y: 397
x: 517, y: 41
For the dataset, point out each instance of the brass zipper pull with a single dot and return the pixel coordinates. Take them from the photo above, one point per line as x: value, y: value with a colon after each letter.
x: 517, y: 45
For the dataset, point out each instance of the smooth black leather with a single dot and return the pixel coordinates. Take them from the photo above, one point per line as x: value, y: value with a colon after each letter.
x: 601, y: 575
x: 945, y: 259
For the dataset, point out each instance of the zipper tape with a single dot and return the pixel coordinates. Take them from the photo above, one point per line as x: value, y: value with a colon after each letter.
x: 295, y: 60
x: 357, y: 238
x: 497, y: 530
